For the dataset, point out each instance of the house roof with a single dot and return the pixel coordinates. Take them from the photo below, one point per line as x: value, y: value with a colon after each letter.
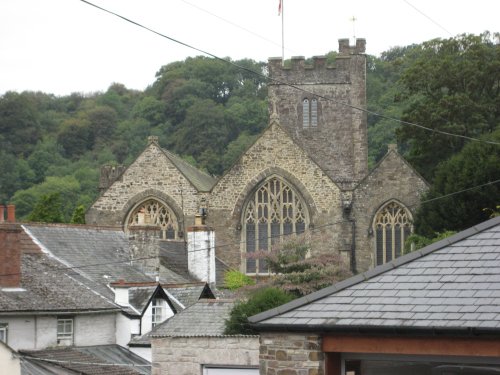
x: 453, y: 284
x: 98, y: 254
x: 207, y: 317
x: 48, y: 286
x: 91, y: 360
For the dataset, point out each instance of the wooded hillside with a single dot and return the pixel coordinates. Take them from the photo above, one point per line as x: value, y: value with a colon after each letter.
x: 208, y: 111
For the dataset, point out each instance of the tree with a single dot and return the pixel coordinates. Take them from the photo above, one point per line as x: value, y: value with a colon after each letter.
x: 477, y: 165
x: 260, y: 301
x: 78, y: 216
x: 453, y: 86
x: 47, y: 209
x: 302, y: 264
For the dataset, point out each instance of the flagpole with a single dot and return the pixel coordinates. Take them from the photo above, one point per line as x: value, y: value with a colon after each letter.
x: 282, y: 33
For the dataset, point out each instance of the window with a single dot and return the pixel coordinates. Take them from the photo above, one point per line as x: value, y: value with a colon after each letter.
x: 64, y: 331
x: 273, y: 211
x: 3, y: 332
x: 156, y: 214
x: 157, y: 311
x: 309, y: 113
x: 392, y: 227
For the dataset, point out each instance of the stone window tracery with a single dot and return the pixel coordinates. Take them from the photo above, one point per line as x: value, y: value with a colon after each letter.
x: 273, y: 211
x: 154, y: 213
x: 392, y: 226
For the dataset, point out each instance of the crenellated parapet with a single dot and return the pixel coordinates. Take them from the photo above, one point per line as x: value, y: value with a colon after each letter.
x: 318, y: 71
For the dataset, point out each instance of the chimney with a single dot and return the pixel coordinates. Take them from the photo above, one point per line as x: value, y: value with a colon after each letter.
x: 11, y: 213
x: 2, y: 213
x: 201, y: 250
x: 10, y: 256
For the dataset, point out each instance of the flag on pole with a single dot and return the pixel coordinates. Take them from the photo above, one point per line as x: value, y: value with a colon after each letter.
x: 279, y: 8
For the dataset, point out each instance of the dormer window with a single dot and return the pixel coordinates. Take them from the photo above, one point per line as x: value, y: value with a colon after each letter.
x: 309, y: 113
x: 158, y: 311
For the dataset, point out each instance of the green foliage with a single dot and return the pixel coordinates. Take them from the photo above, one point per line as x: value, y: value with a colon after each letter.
x: 235, y: 279
x: 303, y: 264
x: 452, y: 87
x: 476, y: 164
x: 416, y: 241
x: 78, y: 216
x: 47, y: 209
x: 262, y: 300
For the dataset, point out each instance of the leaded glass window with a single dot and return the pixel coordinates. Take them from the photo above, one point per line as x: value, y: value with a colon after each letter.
x: 392, y: 227
x: 273, y: 211
x: 309, y: 113
x: 156, y: 214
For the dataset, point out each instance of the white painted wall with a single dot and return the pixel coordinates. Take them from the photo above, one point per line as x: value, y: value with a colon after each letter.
x: 142, y: 352
x: 9, y: 364
x: 34, y: 332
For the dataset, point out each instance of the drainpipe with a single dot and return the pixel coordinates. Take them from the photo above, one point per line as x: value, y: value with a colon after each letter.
x: 353, y: 246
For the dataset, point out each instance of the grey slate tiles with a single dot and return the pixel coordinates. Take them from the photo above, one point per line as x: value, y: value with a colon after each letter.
x: 453, y: 284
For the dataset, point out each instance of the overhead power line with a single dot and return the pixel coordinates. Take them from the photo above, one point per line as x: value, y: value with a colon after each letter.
x: 238, y: 243
x: 426, y: 16
x: 288, y: 84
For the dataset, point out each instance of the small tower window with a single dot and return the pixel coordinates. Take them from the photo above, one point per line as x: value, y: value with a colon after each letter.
x: 309, y: 113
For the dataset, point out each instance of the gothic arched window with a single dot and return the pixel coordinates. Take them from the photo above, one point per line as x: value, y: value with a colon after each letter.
x: 273, y: 211
x: 153, y: 213
x: 392, y: 226
x: 309, y: 113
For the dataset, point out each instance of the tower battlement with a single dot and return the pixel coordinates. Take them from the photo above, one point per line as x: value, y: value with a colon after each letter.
x: 319, y: 70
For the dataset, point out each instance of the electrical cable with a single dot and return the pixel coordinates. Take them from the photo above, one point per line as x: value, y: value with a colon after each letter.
x: 290, y: 85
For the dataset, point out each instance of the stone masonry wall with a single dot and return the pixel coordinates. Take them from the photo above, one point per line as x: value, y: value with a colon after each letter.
x: 186, y: 355
x: 339, y: 142
x: 274, y: 153
x: 392, y: 179
x: 152, y: 174
x: 291, y: 354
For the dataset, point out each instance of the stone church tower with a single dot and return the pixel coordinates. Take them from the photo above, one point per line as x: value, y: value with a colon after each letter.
x: 306, y: 174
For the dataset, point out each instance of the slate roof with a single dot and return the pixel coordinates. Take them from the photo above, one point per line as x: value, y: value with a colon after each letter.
x: 173, y: 256
x: 91, y: 360
x: 46, y: 286
x: 101, y: 252
x: 205, y: 318
x: 200, y: 180
x: 453, y: 284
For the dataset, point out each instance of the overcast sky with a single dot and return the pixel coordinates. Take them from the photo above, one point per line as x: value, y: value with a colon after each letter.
x: 65, y: 46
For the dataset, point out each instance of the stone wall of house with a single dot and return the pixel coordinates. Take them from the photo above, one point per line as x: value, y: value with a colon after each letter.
x: 339, y: 141
x: 151, y: 175
x: 392, y: 179
x: 274, y: 153
x: 291, y: 354
x: 187, y: 355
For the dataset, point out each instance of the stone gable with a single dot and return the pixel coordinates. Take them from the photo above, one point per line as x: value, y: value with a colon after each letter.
x: 392, y: 179
x: 152, y: 174
x: 275, y: 153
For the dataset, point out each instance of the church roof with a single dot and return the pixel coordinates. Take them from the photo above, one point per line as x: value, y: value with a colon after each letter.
x: 200, y: 180
x: 453, y: 284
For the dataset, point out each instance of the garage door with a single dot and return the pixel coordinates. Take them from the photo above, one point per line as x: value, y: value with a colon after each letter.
x: 230, y: 371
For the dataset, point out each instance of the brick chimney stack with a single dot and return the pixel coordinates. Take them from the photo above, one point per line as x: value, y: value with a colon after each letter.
x: 11, y: 213
x: 10, y: 255
x: 2, y: 213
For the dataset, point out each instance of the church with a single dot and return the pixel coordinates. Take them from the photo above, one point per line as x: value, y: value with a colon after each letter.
x: 306, y: 174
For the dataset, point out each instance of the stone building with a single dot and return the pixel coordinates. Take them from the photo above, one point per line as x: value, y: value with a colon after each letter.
x: 306, y: 173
